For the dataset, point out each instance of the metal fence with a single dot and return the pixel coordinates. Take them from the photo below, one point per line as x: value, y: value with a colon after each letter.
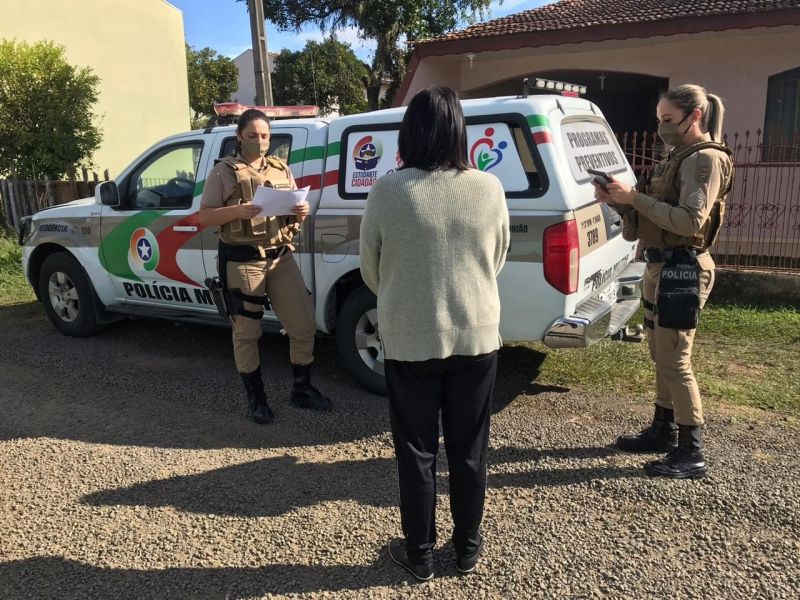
x: 761, y: 229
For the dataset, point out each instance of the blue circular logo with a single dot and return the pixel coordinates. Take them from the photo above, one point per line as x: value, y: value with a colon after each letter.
x: 144, y: 250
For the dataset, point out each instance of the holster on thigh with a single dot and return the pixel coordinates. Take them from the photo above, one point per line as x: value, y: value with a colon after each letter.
x: 235, y: 300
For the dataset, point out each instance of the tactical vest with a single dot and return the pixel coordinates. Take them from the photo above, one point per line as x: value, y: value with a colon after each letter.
x: 267, y: 232
x: 664, y: 185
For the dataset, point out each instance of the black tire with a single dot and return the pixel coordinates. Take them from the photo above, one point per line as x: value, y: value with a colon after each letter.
x: 70, y: 307
x: 353, y: 327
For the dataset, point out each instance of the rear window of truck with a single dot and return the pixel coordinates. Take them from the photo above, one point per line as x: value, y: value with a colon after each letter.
x: 499, y: 144
x: 589, y: 143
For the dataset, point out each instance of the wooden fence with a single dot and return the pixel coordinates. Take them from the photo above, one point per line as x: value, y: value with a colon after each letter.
x: 20, y: 198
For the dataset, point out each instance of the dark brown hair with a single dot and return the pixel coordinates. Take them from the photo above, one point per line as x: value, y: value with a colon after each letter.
x: 247, y: 117
x: 433, y: 134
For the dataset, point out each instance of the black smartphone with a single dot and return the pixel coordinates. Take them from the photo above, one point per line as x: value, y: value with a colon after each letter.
x: 600, y: 178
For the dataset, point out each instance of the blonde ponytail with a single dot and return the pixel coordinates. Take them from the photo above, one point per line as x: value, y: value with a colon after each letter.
x: 712, y: 119
x: 690, y: 97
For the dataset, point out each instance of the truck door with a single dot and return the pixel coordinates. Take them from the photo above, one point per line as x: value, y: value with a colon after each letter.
x: 150, y: 245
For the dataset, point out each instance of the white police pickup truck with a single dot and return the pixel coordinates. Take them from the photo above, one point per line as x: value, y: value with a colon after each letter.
x: 138, y: 249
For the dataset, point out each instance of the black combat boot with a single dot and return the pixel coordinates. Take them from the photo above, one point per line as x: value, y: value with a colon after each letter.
x: 684, y: 462
x: 304, y: 394
x: 260, y: 411
x: 660, y: 436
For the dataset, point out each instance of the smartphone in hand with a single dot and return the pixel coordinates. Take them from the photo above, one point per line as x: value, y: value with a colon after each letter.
x: 601, y: 179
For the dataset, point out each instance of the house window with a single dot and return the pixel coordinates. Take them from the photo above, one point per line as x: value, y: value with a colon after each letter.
x: 782, y: 121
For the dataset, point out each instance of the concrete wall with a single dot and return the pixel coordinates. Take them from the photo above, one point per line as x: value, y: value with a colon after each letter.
x: 137, y: 49
x: 756, y: 288
x: 733, y: 64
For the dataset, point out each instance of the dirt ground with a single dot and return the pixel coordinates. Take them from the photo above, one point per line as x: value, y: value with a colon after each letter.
x: 129, y: 470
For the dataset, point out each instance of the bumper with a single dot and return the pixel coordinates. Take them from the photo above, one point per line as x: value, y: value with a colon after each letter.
x: 595, y: 318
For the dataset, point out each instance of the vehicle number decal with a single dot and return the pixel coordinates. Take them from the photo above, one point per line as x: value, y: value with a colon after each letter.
x: 591, y: 228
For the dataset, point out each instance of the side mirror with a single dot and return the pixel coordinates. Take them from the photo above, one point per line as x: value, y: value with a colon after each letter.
x: 107, y: 193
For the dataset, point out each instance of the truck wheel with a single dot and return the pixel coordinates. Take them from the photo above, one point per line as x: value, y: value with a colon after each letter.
x: 67, y: 295
x: 358, y: 340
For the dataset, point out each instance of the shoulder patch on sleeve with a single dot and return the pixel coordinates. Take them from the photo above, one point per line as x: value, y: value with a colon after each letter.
x: 705, y: 164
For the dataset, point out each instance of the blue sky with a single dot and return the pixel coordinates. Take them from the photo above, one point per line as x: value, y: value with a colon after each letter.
x: 225, y: 26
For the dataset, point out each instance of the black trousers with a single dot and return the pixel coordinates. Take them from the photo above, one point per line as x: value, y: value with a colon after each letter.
x: 460, y: 387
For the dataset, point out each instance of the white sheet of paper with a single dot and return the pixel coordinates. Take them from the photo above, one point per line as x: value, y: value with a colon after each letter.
x: 278, y: 202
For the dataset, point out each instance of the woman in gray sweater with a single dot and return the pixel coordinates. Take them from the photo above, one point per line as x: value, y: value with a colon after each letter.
x: 433, y: 239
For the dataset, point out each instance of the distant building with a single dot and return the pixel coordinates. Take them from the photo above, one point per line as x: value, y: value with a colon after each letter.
x: 135, y: 47
x: 246, y: 91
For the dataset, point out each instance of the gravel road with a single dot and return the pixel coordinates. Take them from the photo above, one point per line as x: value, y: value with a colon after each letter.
x: 128, y: 470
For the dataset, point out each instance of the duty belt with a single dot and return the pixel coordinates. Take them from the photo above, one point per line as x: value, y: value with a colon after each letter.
x: 246, y: 253
x: 275, y: 253
x: 660, y: 255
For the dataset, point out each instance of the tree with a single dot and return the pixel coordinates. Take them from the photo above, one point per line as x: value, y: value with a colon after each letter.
x: 212, y: 79
x: 385, y: 21
x: 327, y: 74
x: 46, y: 119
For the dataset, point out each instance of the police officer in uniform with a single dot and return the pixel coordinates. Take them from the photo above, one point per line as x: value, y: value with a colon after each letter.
x: 676, y: 216
x: 256, y: 264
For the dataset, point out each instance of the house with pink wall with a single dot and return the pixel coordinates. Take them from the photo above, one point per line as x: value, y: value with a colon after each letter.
x: 628, y: 51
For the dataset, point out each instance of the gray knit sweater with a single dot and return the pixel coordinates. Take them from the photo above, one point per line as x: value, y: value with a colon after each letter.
x: 432, y: 244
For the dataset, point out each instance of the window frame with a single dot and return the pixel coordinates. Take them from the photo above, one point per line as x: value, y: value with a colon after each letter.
x: 773, y: 149
x: 510, y: 119
x: 272, y: 137
x: 127, y: 196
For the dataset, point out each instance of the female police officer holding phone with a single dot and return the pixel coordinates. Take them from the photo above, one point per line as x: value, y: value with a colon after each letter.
x: 256, y: 263
x: 676, y: 216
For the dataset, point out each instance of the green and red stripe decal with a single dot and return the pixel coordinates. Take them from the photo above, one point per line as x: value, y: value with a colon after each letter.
x: 539, y: 125
x: 540, y: 129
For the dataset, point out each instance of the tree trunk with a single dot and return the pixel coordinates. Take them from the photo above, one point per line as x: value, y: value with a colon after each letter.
x: 373, y: 95
x: 383, y: 65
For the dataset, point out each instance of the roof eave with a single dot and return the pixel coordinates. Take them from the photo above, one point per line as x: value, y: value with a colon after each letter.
x: 602, y: 33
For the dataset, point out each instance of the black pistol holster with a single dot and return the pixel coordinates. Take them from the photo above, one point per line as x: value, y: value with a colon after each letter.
x: 230, y: 302
x: 678, y: 302
x: 217, y: 289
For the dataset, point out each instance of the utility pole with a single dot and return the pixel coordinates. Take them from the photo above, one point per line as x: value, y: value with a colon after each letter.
x: 260, y: 63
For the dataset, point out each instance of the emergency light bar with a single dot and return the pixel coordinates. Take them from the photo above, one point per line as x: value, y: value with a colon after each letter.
x: 234, y: 109
x: 548, y: 85
x: 560, y: 86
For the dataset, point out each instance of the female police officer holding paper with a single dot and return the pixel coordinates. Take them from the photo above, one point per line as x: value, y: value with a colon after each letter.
x: 676, y: 216
x: 256, y: 264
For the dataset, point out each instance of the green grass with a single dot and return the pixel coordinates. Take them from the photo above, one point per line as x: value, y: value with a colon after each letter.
x: 748, y: 356
x: 14, y: 289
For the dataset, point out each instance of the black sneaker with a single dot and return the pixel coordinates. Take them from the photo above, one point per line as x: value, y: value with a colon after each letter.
x: 397, y: 550
x: 466, y: 563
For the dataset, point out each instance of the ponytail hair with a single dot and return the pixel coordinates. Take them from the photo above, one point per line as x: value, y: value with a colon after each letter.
x: 714, y: 116
x: 690, y: 97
